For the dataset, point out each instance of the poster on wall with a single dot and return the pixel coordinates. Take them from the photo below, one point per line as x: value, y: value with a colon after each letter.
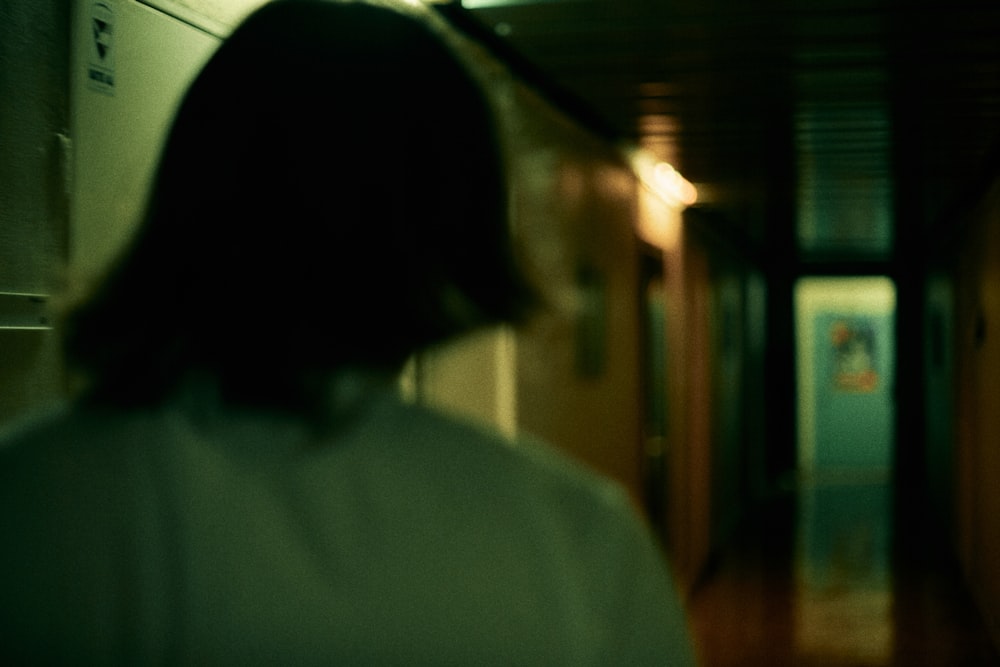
x: 846, y: 349
x: 854, y: 355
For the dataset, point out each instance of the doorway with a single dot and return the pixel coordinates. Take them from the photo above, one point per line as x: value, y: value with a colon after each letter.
x: 846, y: 358
x: 846, y: 416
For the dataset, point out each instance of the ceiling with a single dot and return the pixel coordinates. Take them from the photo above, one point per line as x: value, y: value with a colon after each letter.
x: 835, y: 117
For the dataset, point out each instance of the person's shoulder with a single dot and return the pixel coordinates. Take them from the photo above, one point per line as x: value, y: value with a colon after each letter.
x: 36, y: 430
x: 569, y: 475
x: 65, y: 438
x: 524, y: 462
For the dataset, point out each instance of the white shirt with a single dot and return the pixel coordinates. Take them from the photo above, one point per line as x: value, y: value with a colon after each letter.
x: 218, y: 537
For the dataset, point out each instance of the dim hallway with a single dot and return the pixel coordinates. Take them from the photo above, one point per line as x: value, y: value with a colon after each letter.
x: 813, y: 578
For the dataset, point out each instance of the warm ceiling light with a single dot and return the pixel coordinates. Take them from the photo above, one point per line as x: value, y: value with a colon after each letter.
x: 674, y: 185
x: 663, y: 179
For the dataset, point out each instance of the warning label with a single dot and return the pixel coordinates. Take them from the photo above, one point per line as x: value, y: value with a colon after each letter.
x: 101, y: 61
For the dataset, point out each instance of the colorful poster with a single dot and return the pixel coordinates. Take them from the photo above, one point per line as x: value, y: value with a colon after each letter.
x: 853, y: 341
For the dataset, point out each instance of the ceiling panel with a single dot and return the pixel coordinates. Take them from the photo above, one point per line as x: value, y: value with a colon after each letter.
x: 758, y: 98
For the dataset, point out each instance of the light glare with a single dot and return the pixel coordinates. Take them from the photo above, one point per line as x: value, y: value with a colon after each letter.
x: 674, y: 185
x: 663, y: 179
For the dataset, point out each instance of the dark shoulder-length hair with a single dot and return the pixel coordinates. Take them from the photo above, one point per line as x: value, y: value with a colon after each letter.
x: 331, y: 195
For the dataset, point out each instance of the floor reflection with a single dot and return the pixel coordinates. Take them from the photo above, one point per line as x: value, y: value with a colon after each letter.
x: 814, y: 579
x: 843, y: 596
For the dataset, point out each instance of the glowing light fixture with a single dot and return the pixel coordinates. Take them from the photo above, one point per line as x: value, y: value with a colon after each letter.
x: 665, y: 194
x: 674, y: 185
x: 663, y: 179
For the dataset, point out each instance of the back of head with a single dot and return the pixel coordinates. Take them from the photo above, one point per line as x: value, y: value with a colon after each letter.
x: 331, y: 194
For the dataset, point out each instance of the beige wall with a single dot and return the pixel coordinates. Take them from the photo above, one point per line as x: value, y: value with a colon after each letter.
x: 472, y: 378
x: 571, y: 376
x: 117, y: 130
x: 578, y: 374
x: 579, y: 383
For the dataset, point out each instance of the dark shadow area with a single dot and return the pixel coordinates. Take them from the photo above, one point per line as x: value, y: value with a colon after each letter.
x: 813, y: 578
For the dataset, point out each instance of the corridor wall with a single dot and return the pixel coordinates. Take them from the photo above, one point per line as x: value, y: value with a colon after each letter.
x: 577, y: 367
x: 34, y: 59
x: 151, y: 58
x: 571, y: 376
x: 712, y: 452
x: 939, y: 397
x: 977, y: 382
x: 713, y: 449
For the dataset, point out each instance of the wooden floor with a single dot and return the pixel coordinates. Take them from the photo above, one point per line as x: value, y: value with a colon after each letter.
x: 819, y: 577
